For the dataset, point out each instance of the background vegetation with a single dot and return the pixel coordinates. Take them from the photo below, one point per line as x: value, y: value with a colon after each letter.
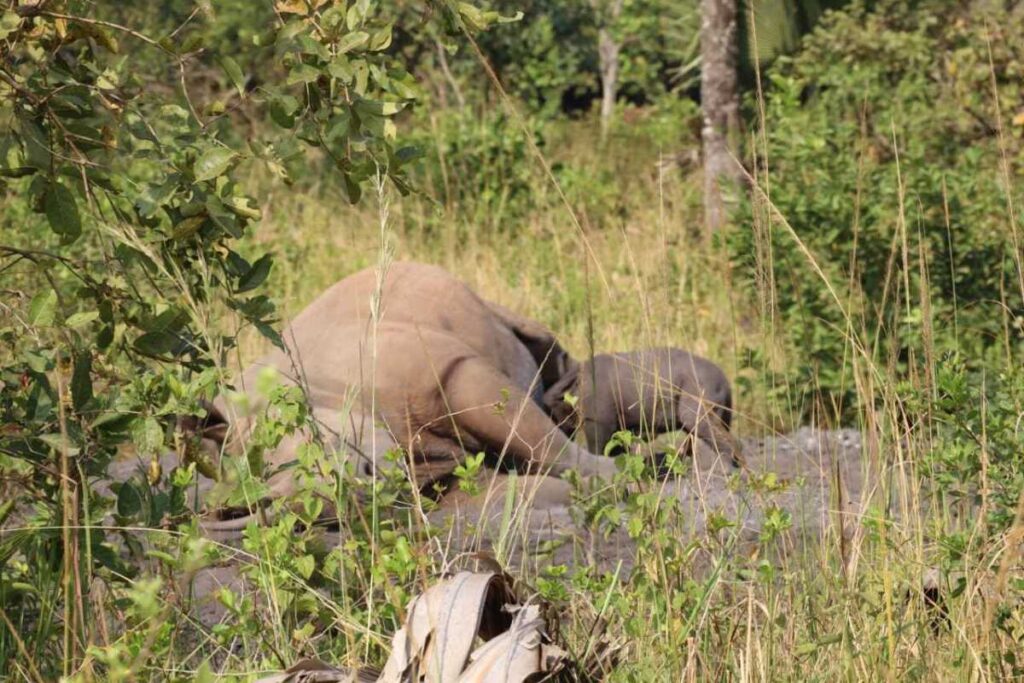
x: 177, y: 178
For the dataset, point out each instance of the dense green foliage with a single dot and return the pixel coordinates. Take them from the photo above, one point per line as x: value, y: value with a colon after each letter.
x: 899, y: 170
x: 895, y: 150
x: 123, y: 203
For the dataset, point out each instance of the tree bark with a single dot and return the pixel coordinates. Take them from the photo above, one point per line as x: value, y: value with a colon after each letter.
x: 720, y: 105
x: 608, y: 54
x: 608, y: 51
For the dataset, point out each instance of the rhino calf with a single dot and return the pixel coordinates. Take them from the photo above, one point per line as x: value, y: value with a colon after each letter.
x: 647, y: 392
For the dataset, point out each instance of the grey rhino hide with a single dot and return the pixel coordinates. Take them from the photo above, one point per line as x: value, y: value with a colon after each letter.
x: 437, y: 370
x: 647, y: 392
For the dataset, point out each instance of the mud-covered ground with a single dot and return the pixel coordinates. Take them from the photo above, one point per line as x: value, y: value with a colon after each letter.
x: 815, y: 482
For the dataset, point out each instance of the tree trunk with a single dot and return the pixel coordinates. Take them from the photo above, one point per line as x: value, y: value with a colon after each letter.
x: 608, y: 51
x: 608, y: 54
x: 720, y: 104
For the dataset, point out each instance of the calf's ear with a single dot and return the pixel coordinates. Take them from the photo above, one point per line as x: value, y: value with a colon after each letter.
x: 554, y: 394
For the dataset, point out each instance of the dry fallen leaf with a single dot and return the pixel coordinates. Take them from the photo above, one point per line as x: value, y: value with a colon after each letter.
x: 313, y: 671
x: 435, y: 644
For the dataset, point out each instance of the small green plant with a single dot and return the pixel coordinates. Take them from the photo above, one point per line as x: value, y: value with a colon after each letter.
x: 468, y: 474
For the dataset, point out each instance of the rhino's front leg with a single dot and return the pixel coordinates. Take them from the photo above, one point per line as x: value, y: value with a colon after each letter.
x: 486, y: 404
x: 700, y: 418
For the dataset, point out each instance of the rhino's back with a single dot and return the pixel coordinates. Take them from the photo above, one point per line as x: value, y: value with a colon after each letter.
x: 415, y: 294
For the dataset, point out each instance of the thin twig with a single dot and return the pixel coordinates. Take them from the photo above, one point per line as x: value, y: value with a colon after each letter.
x: 108, y: 24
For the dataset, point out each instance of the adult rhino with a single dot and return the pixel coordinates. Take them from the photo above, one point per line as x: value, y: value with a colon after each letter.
x: 412, y: 357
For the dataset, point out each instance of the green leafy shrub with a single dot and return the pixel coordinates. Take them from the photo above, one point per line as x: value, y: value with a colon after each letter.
x: 885, y: 151
x: 481, y: 166
x: 127, y: 289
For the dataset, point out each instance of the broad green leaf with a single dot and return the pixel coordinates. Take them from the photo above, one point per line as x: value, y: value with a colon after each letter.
x: 212, y: 163
x: 305, y: 565
x: 310, y: 46
x: 333, y: 18
x: 409, y: 153
x: 404, y: 89
x: 37, y: 143
x: 234, y: 74
x: 148, y: 435
x: 37, y: 362
x: 62, y: 212
x: 188, y: 227
x: 169, y: 320
x: 381, y: 39
x: 129, y: 500
x: 379, y: 108
x: 17, y: 171
x: 81, y: 319
x: 190, y: 209
x: 303, y: 73
x: 108, y: 80
x: 404, y: 188
x: 112, y: 421
x: 256, y: 275
x: 355, y: 16
x: 362, y: 75
x: 353, y: 41
x: 9, y: 24
x: 480, y: 20
x: 271, y: 334
x: 341, y: 69
x: 141, y: 131
x: 240, y: 207
x: 282, y: 110
x: 156, y: 196
x: 352, y: 189
x: 156, y: 343
x: 290, y: 30
x: 59, y: 442
x: 380, y: 75
x: 42, y: 308
x: 338, y: 127
x: 81, y: 381
x: 222, y: 217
